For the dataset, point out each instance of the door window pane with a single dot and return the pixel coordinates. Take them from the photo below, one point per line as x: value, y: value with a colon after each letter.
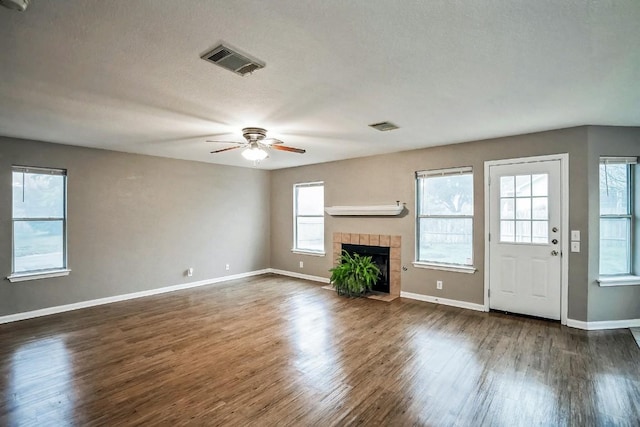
x: 507, y: 186
x: 540, y: 232
x: 540, y: 185
x: 523, y: 186
x: 523, y: 231
x: 540, y: 208
x: 506, y: 209
x: 507, y: 231
x: 523, y: 208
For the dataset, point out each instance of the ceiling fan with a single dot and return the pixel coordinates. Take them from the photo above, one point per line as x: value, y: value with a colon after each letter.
x: 257, y: 145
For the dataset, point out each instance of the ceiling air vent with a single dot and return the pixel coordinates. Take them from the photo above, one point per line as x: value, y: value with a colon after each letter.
x: 233, y: 60
x: 384, y: 126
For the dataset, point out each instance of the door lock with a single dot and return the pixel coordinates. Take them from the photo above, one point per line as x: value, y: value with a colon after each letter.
x: 554, y: 253
x: 554, y: 229
x: 554, y: 241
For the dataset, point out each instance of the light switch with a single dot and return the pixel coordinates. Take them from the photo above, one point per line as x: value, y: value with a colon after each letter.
x: 575, y: 246
x: 575, y: 236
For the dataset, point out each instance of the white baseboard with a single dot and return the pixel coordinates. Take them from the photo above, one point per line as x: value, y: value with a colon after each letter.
x: 578, y: 324
x: 299, y: 275
x: 598, y: 325
x: 116, y: 298
x: 603, y: 324
x: 443, y: 301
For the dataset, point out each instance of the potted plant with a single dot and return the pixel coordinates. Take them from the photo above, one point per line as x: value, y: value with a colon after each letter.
x: 355, y: 275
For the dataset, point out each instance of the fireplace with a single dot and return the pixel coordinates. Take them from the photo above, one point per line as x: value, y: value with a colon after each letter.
x: 391, y: 245
x: 380, y: 257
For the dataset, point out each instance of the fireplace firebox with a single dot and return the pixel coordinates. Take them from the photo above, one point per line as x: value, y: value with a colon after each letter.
x: 380, y: 256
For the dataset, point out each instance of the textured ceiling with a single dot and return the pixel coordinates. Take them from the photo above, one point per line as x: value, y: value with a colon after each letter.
x: 127, y: 75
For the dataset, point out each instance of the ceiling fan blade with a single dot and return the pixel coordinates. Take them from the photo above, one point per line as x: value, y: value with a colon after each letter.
x: 226, y: 142
x: 227, y: 149
x: 271, y: 141
x: 290, y: 149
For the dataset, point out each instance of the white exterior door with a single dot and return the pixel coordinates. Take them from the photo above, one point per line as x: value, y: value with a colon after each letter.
x: 524, y: 241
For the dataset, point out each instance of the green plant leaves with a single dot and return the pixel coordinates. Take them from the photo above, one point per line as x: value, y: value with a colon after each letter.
x: 355, y: 275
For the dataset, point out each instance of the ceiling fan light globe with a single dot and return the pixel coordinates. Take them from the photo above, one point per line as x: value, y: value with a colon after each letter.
x: 254, y: 154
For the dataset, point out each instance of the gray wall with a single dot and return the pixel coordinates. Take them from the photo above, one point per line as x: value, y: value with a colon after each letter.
x: 138, y: 222
x: 619, y: 302
x: 387, y: 178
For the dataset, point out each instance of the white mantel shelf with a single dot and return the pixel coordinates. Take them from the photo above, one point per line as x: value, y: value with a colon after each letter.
x: 369, y: 210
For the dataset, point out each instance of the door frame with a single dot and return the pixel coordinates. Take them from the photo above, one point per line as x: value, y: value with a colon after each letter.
x: 564, y: 224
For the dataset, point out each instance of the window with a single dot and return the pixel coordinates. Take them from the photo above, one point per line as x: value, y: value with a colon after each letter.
x: 39, y: 222
x: 308, y: 212
x: 616, y: 215
x: 524, y: 209
x: 445, y: 217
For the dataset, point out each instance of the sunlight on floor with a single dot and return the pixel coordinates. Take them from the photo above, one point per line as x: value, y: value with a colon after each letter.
x: 316, y: 359
x: 40, y: 384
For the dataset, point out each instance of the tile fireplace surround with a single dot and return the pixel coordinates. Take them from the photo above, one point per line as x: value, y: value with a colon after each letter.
x: 383, y: 240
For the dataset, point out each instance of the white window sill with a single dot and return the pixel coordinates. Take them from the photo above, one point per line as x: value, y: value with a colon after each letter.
x: 306, y: 252
x: 628, y: 280
x: 22, y: 277
x: 445, y: 267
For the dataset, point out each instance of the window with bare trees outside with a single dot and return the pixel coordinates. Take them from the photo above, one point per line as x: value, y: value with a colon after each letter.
x: 617, y: 215
x: 445, y: 216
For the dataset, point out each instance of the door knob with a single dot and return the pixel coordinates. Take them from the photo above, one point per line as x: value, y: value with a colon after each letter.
x: 554, y: 241
x: 554, y: 253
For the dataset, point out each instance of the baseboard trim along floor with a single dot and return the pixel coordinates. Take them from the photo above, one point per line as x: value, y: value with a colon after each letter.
x: 299, y: 275
x: 443, y: 301
x: 604, y: 324
x: 116, y: 298
x: 599, y: 325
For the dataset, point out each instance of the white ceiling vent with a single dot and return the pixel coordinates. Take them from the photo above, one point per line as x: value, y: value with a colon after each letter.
x: 384, y: 126
x: 233, y: 60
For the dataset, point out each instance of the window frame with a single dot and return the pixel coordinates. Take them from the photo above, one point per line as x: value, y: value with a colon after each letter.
x: 49, y: 272
x: 296, y: 248
x: 629, y: 216
x: 437, y: 265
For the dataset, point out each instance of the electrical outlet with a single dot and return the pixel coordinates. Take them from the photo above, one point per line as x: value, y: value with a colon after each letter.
x: 439, y: 284
x: 301, y: 264
x: 226, y: 267
x: 190, y: 271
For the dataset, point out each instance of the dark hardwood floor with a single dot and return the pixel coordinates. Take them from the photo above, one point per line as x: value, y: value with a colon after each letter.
x: 277, y: 351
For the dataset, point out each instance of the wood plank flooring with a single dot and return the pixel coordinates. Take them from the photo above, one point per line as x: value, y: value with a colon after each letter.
x: 278, y: 351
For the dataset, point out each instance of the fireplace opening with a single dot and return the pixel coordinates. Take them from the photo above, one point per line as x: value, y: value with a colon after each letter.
x: 380, y: 256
